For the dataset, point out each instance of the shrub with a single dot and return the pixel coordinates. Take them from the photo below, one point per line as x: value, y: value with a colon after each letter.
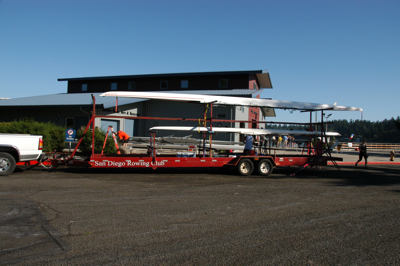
x: 53, y: 135
x: 99, y: 136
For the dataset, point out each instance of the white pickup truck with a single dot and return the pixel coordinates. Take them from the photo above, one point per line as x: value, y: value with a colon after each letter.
x: 16, y: 148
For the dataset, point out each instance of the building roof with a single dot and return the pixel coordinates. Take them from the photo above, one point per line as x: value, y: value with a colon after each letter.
x: 52, y: 99
x: 80, y: 99
x: 262, y: 76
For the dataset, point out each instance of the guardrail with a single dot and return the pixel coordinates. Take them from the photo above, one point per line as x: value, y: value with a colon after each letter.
x: 371, y: 146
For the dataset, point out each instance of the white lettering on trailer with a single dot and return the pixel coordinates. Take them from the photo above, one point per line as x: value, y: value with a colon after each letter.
x: 140, y: 163
x: 117, y: 164
x: 156, y: 163
x: 128, y: 163
x: 97, y: 163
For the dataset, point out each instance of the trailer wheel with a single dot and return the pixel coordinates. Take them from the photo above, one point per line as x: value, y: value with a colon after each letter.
x: 7, y: 163
x: 265, y: 167
x: 245, y: 167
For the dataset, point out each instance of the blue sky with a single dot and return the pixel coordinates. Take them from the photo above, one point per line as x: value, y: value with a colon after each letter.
x: 316, y: 51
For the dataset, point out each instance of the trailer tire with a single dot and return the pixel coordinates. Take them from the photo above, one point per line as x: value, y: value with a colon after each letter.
x: 245, y: 167
x: 265, y: 167
x: 7, y: 163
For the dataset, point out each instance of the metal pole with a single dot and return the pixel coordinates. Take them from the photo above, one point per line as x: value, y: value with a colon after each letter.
x: 211, y: 114
x: 93, y: 122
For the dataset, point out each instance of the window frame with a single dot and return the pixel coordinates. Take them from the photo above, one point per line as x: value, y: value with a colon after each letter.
x: 130, y: 83
x: 73, y: 121
x: 84, y: 87
x: 114, y: 86
x: 222, y: 85
x: 184, y: 84
x: 163, y: 82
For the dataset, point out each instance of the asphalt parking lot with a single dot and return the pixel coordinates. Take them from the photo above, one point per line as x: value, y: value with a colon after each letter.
x: 201, y: 217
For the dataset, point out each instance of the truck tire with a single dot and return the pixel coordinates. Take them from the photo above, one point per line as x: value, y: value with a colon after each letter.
x: 245, y: 167
x: 265, y: 167
x: 7, y: 163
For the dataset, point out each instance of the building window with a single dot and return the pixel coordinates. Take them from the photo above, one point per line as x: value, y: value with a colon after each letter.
x: 84, y: 87
x: 70, y: 122
x: 132, y: 86
x: 114, y: 86
x: 106, y: 123
x: 223, y: 83
x: 184, y: 84
x: 164, y: 84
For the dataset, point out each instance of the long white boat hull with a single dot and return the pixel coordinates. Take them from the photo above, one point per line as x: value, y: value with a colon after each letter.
x: 246, y: 131
x: 229, y: 100
x: 186, y: 147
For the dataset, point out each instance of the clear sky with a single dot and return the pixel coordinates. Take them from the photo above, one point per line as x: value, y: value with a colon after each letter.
x: 325, y: 51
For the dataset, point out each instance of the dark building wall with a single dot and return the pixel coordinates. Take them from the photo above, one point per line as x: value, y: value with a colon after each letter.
x: 195, y: 82
x: 52, y: 114
x: 180, y: 110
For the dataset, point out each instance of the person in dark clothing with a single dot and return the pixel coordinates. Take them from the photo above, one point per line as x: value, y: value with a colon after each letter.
x: 363, y: 153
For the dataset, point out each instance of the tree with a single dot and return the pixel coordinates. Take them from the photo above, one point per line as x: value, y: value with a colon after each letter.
x: 99, y: 137
x: 379, y: 131
x: 397, y: 122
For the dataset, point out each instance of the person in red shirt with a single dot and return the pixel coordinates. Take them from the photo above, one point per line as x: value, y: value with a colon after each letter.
x: 124, y: 138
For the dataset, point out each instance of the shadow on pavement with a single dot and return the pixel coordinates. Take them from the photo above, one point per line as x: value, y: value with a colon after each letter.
x: 349, y: 175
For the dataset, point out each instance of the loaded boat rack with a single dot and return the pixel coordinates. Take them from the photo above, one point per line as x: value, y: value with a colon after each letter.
x: 245, y: 164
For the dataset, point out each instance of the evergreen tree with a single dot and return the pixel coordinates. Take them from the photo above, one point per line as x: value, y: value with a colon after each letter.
x: 379, y: 131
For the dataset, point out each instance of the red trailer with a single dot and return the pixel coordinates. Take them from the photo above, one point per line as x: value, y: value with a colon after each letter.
x: 245, y: 164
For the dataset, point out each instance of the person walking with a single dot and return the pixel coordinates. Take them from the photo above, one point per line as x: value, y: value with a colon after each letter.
x: 363, y: 153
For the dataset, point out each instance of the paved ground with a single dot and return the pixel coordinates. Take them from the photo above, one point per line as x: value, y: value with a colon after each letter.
x: 351, y: 156
x: 201, y: 217
x: 374, y: 157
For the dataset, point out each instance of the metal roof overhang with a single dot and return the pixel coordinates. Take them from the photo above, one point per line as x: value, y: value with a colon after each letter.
x: 264, y: 80
x: 268, y: 112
